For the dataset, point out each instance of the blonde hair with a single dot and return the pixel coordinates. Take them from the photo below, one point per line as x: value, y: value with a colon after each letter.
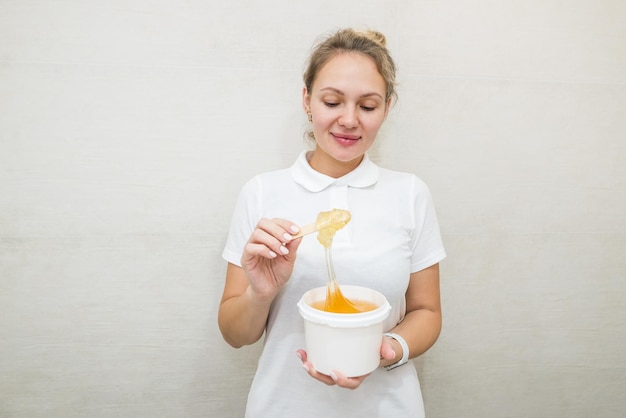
x: 370, y: 43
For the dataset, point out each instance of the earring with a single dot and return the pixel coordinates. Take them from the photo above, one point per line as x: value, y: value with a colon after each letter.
x: 310, y: 116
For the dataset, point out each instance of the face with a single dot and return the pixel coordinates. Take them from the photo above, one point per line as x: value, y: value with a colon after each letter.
x: 348, y: 106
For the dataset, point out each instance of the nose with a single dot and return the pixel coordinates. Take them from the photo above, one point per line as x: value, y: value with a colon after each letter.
x: 349, y: 117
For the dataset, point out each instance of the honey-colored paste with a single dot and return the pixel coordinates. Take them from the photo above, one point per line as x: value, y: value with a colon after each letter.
x: 327, y: 224
x: 353, y: 306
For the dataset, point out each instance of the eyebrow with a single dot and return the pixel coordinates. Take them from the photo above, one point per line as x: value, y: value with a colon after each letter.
x: 343, y: 94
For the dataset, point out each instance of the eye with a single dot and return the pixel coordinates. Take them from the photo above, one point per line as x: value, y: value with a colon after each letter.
x: 331, y: 104
x: 368, y: 108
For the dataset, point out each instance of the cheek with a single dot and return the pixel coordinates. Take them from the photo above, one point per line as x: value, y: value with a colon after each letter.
x: 322, y: 118
x: 373, y: 124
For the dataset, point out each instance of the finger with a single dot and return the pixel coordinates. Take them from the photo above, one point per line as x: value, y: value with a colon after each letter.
x: 289, y: 227
x: 302, y: 355
x: 281, y: 229
x: 293, y: 248
x: 308, y: 367
x: 273, y: 245
x: 386, y: 350
x: 346, y: 382
x: 324, y: 378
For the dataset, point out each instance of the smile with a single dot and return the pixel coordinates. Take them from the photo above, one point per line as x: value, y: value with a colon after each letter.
x: 345, y: 137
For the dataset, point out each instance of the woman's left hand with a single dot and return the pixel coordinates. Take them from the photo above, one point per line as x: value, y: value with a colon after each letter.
x: 336, y: 378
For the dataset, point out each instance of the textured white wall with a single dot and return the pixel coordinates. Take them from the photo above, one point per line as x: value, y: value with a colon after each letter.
x: 128, y: 127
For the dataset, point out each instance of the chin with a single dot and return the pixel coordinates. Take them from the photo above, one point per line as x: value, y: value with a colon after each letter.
x: 343, y: 158
x: 342, y: 153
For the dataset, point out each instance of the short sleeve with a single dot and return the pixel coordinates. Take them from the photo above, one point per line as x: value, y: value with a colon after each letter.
x: 244, y: 219
x: 426, y: 243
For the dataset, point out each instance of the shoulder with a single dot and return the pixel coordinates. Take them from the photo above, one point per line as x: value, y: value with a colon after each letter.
x: 400, y: 179
x: 275, y: 177
x: 272, y: 175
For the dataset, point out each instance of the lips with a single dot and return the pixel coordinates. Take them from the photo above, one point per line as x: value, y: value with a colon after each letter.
x: 345, y: 138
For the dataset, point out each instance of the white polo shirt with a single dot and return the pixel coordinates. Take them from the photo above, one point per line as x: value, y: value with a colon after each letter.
x: 393, y: 232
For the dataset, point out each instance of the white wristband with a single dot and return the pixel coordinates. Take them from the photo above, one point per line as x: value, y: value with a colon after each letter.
x: 405, y: 350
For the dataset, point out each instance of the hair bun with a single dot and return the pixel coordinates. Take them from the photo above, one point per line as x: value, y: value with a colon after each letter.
x: 375, y: 36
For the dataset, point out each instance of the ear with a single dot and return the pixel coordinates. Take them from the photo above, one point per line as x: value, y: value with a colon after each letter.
x: 387, y: 107
x: 306, y: 100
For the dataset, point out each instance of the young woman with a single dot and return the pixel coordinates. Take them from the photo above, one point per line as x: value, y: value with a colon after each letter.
x: 392, y: 244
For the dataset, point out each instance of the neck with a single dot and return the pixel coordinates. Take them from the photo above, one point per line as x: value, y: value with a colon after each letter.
x: 327, y: 165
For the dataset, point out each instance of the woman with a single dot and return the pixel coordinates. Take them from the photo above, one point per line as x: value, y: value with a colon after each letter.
x: 392, y: 244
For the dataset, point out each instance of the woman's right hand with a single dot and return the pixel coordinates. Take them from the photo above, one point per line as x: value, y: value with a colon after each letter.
x: 269, y: 256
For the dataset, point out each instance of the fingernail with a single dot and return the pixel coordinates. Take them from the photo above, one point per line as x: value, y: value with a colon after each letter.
x: 305, y: 367
x: 284, y: 250
x: 287, y: 237
x: 294, y: 229
x: 272, y: 254
x: 333, y: 376
x: 299, y: 355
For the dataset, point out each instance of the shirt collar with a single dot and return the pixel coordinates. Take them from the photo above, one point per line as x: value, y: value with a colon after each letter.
x: 365, y: 175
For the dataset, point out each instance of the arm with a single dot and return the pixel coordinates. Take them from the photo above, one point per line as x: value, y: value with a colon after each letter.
x: 242, y: 316
x: 422, y: 323
x: 266, y: 265
x: 420, y: 327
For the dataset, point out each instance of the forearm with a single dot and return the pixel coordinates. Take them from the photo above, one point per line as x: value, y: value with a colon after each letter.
x: 420, y: 328
x: 421, y: 325
x: 242, y: 318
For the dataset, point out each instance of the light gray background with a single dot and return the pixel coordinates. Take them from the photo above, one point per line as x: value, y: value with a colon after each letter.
x: 128, y: 127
